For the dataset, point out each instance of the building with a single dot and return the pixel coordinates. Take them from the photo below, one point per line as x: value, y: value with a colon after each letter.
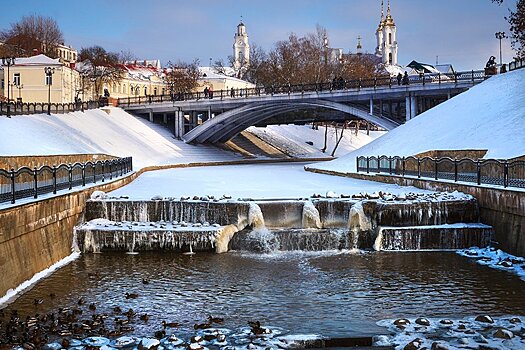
x: 28, y: 82
x: 140, y: 78
x: 387, y: 48
x: 241, y: 49
x: 68, y: 56
x: 209, y: 77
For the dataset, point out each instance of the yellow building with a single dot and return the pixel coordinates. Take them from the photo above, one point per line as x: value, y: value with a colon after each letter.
x: 67, y: 55
x: 140, y: 78
x: 28, y: 81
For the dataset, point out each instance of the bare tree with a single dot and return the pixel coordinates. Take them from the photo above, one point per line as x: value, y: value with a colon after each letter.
x: 182, y: 77
x: 517, y: 27
x: 34, y: 33
x: 338, y: 138
x: 98, y: 67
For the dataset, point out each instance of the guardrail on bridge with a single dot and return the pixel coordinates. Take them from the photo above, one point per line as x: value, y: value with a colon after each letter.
x: 26, y: 182
x: 482, y: 171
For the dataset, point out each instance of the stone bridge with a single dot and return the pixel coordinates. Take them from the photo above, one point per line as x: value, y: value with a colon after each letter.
x: 196, y: 118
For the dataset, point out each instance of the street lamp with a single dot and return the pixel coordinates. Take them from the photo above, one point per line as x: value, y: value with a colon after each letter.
x: 49, y: 81
x: 20, y: 87
x: 500, y: 35
x: 8, y: 61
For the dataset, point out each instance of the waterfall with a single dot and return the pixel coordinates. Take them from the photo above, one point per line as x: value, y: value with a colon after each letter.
x: 255, y: 216
x: 311, y: 217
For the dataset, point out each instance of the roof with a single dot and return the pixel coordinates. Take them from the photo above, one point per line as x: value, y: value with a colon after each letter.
x: 422, y: 67
x: 38, y: 60
x: 211, y: 74
x: 445, y: 68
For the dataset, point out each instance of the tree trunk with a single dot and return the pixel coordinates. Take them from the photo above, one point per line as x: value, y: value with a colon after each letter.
x: 325, y: 137
x: 338, y: 138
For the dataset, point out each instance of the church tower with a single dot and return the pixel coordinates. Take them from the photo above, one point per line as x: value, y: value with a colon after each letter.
x: 241, y: 48
x: 379, y: 33
x: 389, y: 47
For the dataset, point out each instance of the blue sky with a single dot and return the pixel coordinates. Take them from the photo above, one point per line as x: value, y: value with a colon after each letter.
x: 460, y: 32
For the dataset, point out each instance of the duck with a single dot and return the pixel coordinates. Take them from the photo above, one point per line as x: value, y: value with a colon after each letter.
x: 215, y: 319
x: 131, y: 295
x: 201, y: 325
x: 144, y: 317
x: 170, y: 324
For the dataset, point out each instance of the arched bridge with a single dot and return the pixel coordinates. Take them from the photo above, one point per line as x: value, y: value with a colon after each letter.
x: 197, y: 118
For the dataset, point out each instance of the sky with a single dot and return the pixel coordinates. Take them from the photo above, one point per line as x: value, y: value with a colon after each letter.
x: 460, y: 32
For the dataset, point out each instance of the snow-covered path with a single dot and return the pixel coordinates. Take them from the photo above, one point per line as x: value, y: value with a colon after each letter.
x: 256, y: 181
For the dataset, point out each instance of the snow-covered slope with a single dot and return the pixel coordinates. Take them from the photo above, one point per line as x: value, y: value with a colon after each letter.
x: 95, y: 131
x: 490, y: 116
x: 292, y: 139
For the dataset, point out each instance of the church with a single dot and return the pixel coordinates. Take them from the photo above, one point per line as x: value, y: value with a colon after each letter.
x: 386, y: 47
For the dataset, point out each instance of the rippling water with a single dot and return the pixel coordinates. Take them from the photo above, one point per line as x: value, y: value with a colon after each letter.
x: 332, y: 294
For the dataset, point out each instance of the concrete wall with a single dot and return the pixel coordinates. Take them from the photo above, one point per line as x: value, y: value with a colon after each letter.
x: 504, y: 209
x: 9, y: 162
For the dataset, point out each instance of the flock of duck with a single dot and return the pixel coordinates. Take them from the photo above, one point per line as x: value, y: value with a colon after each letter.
x: 81, y: 327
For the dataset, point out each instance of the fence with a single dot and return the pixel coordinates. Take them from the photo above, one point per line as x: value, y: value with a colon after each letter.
x: 335, y: 85
x: 517, y: 64
x: 26, y: 182
x: 17, y: 108
x: 482, y: 171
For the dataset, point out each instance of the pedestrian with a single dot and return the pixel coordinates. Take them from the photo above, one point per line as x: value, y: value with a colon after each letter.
x: 206, y: 92
x: 210, y: 92
x: 405, y: 79
x: 399, y: 78
x: 232, y: 92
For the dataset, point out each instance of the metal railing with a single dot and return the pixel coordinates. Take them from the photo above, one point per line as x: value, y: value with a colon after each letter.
x: 26, y: 182
x: 336, y: 85
x: 19, y: 108
x: 482, y: 171
x: 517, y: 64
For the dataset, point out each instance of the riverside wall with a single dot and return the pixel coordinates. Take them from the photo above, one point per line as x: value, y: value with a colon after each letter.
x: 502, y: 208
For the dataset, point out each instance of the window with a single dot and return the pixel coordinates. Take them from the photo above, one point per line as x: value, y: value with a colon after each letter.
x: 390, y: 58
x: 155, y: 91
x: 49, y: 79
x: 145, y: 91
x: 16, y: 79
x: 389, y: 38
x: 2, y: 84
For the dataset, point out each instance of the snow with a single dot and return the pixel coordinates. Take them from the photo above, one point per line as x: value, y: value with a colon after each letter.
x: 489, y: 117
x: 496, y: 259
x: 292, y: 139
x: 95, y: 131
x: 38, y: 60
x: 257, y: 181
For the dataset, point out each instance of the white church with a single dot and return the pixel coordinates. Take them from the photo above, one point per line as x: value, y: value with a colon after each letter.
x: 387, y: 42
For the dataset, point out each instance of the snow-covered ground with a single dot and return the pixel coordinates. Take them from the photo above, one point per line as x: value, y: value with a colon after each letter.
x: 95, y: 131
x: 292, y: 139
x: 248, y: 181
x: 490, y: 116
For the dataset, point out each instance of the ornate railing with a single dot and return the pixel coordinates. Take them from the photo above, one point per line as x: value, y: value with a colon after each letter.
x: 517, y: 64
x: 18, y: 108
x: 336, y: 85
x: 482, y: 171
x: 26, y: 182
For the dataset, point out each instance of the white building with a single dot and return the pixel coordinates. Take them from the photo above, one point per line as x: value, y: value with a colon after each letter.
x: 387, y: 42
x: 241, y: 49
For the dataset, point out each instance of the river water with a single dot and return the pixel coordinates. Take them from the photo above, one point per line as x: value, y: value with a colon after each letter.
x: 336, y: 294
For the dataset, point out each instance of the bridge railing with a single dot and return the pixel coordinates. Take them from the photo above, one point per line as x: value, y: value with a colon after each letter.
x: 26, y: 182
x: 506, y: 173
x: 19, y: 108
x: 517, y: 64
x: 335, y: 85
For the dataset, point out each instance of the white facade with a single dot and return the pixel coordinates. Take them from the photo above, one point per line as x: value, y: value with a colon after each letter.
x: 241, y: 48
x: 386, y: 38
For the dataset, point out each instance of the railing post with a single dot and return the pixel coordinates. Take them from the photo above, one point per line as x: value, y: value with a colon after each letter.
x: 94, y: 173
x: 54, y: 179
x: 472, y: 75
x: 439, y: 78
x: 390, y: 82
x: 70, y: 174
x: 35, y: 182
x: 110, y: 170
x: 84, y: 174
x: 13, y: 194
x: 418, y: 167
x: 103, y: 170
x: 403, y: 166
x: 357, y: 163
x: 375, y: 82
x: 367, y: 164
x: 478, y: 171
x: 455, y: 78
x: 506, y: 174
x: 390, y: 165
x: 359, y: 86
x: 435, y: 168
x: 455, y: 170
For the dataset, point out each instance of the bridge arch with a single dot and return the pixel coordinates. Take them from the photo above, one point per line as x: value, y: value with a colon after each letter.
x: 226, y: 125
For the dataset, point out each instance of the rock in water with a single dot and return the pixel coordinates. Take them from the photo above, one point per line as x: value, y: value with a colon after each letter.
x: 149, y: 343
x: 331, y: 194
x: 503, y: 334
x: 423, y: 321
x: 98, y: 195
x: 413, y: 345
x: 484, y: 319
x: 402, y: 322
x: 439, y: 346
x: 157, y: 197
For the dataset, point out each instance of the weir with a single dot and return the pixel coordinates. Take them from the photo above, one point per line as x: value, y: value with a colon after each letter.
x: 437, y: 221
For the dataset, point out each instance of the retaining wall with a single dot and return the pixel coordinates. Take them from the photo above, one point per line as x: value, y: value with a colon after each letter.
x: 9, y: 162
x: 502, y: 208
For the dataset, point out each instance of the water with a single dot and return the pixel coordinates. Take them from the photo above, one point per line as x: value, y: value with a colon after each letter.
x: 328, y: 293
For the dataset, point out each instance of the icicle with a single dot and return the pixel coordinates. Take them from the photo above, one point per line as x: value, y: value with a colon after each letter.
x: 311, y: 218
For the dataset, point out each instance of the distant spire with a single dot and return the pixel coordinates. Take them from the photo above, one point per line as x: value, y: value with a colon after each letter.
x: 359, y: 47
x: 388, y: 9
x: 382, y: 12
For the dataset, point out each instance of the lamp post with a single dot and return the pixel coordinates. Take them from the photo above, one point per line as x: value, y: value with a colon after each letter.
x: 499, y: 36
x: 8, y: 61
x: 49, y: 81
x: 20, y: 87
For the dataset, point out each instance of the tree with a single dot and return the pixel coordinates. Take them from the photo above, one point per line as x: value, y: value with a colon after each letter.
x: 33, y: 33
x: 182, y: 77
x: 98, y: 67
x: 517, y: 27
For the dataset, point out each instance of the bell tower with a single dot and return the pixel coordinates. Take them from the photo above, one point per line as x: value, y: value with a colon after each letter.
x: 389, y: 40
x: 241, y: 48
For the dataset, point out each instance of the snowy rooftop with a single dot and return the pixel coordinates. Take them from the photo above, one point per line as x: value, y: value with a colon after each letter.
x: 489, y: 116
x: 212, y: 74
x: 38, y: 60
